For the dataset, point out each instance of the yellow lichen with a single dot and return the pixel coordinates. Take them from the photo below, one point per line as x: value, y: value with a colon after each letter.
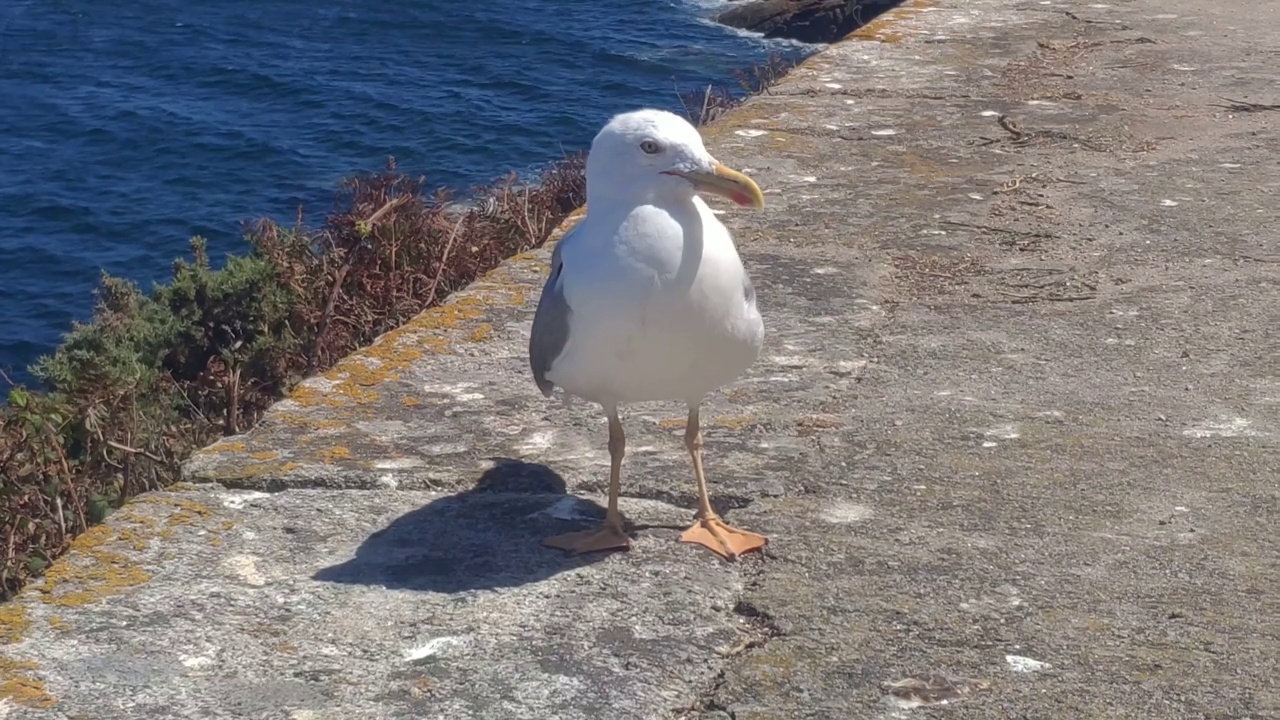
x: 356, y: 392
x: 438, y: 345
x: 181, y: 517
x: 188, y: 510
x: 9, y: 668
x: 351, y: 380
x: 191, y: 506
x: 93, y: 538
x: 13, y: 622
x: 130, y: 515
x: 133, y: 538
x: 258, y: 469
x: 264, y: 455
x: 57, y: 623
x: 19, y: 688
x: 89, y: 572
x: 96, y: 574
x: 306, y: 395
x: 410, y: 401
x: 335, y: 453
x: 353, y: 376
x: 449, y: 316
x: 342, y: 394
x: 671, y: 423
x: 733, y: 422
x: 26, y: 692
x: 215, y: 541
x: 395, y: 353
x: 229, y: 447
x: 364, y: 374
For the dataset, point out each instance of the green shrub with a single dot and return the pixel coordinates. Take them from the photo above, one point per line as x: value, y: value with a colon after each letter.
x: 155, y: 375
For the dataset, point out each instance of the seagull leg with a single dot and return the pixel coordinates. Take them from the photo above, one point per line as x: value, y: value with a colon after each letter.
x: 708, y: 529
x: 610, y: 534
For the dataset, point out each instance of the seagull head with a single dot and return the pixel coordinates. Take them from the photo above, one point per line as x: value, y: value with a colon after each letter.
x: 648, y: 154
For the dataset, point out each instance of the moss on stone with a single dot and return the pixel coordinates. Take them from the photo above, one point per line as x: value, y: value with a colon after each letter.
x: 133, y: 539
x: 92, y: 574
x: 333, y: 454
x: 306, y: 421
x: 19, y: 688
x: 92, y: 571
x: 13, y: 623
x: 733, y: 422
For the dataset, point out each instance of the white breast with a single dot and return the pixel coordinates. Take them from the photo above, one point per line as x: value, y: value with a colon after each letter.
x: 655, y: 316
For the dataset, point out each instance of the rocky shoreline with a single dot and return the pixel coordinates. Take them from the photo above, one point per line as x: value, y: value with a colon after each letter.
x: 808, y: 21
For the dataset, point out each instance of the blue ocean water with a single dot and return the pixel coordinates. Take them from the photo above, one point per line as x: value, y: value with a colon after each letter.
x: 128, y: 127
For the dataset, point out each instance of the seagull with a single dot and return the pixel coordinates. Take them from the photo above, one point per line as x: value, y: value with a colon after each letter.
x: 648, y: 300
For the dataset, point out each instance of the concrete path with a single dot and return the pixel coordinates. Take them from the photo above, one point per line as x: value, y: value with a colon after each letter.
x: 1014, y: 437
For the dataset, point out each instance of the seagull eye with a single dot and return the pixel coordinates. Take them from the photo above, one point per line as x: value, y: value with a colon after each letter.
x: 650, y: 147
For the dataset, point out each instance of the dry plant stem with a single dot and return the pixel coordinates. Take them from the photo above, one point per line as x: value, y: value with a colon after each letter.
x: 134, y: 451
x: 327, y: 314
x: 444, y: 260
x: 233, y: 402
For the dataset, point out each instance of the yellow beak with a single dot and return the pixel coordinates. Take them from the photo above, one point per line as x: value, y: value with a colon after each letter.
x: 726, y: 182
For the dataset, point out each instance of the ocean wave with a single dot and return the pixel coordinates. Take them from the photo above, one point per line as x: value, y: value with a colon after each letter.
x: 780, y: 44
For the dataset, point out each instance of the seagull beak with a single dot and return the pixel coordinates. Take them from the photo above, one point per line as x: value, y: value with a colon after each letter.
x: 725, y: 182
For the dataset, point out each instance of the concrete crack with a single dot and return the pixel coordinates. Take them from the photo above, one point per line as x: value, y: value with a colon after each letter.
x: 759, y: 627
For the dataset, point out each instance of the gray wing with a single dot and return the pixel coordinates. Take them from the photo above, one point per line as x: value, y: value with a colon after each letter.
x: 748, y: 290
x: 550, y: 330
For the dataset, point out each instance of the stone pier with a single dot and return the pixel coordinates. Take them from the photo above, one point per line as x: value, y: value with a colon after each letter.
x: 1015, y: 435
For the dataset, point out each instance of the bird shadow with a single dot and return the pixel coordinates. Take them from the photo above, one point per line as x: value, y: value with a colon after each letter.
x: 486, y: 537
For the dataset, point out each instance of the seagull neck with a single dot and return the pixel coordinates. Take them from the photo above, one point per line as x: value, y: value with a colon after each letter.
x: 673, y: 200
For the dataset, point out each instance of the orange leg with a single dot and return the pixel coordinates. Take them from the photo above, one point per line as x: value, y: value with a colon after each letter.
x: 610, y: 534
x: 708, y: 530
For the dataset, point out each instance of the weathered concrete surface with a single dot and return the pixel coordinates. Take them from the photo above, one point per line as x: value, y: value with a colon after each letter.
x: 1020, y: 403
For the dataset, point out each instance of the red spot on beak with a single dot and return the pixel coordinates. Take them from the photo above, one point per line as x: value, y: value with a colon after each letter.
x: 742, y: 199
